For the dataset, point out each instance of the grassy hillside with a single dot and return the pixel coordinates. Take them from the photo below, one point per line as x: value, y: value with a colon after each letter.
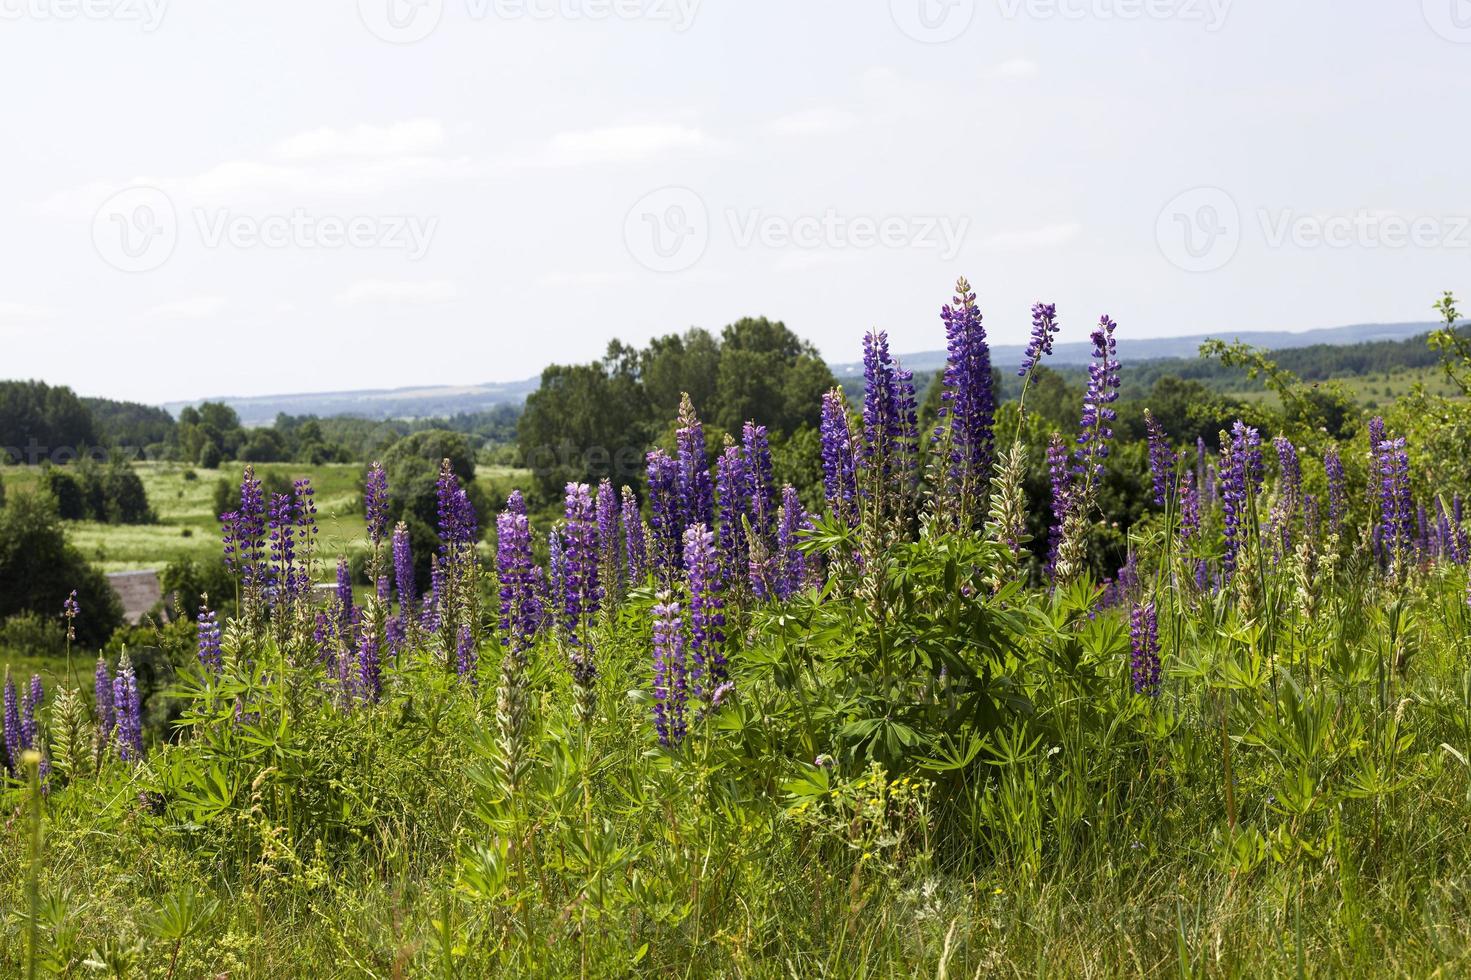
x: 183, y: 498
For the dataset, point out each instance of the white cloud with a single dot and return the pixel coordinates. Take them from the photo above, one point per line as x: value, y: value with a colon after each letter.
x: 1048, y: 236
x: 21, y: 313
x: 618, y: 144
x: 812, y: 121
x: 578, y: 280
x: 1016, y: 68
x: 386, y: 292
x: 298, y: 171
x: 413, y: 137
x: 236, y: 180
x: 188, y: 308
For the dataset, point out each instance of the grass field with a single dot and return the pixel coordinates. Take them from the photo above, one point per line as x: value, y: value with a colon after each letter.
x: 188, y: 527
x: 1371, y: 391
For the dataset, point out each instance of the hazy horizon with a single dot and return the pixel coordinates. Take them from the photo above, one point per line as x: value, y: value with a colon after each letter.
x: 375, y: 194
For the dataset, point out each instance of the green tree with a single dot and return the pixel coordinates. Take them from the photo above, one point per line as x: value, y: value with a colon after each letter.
x: 39, y: 569
x: 412, y: 465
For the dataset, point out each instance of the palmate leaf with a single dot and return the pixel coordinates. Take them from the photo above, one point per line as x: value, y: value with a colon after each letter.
x: 953, y: 753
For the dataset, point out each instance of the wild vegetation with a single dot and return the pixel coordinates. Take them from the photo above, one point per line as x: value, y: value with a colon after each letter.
x: 994, y: 700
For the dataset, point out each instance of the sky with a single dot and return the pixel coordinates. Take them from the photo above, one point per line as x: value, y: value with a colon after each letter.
x: 207, y: 199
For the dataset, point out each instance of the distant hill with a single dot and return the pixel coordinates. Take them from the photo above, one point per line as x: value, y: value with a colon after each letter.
x: 431, y: 401
x: 444, y: 400
x: 1136, y: 350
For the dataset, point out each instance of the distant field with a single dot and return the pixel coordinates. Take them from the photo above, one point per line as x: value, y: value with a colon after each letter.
x: 188, y: 528
x: 1372, y: 391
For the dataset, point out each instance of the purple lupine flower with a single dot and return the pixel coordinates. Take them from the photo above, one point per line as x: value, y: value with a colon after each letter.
x: 635, y: 550
x: 1202, y: 575
x: 731, y: 487
x: 671, y: 681
x: 251, y: 526
x: 1376, y: 431
x: 281, y: 520
x: 664, y: 514
x: 967, y: 403
x: 1061, y: 475
x: 1241, y: 482
x: 696, y: 492
x: 707, y: 612
x: 1189, y: 507
x: 520, y: 610
x: 395, y: 634
x: 1333, y: 468
x: 1044, y: 329
x: 792, y: 568
x: 70, y: 611
x: 610, y: 533
x: 210, y: 656
x: 1445, y: 541
x: 344, y: 594
x: 556, y: 573
x: 1094, y: 429
x: 1458, y: 527
x: 1392, y: 460
x: 581, y: 593
x: 760, y: 492
x: 1144, y: 647
x: 458, y: 524
x: 102, y: 692
x: 403, y: 567
x: 466, y: 656
x: 1290, y: 495
x: 383, y: 590
x: 375, y: 503
x: 429, y: 619
x: 12, y: 724
x: 370, y: 667
x: 31, y: 701
x: 300, y: 586
x: 128, y: 733
x: 889, y: 442
x: 1161, y: 458
x: 1422, y: 529
x: 839, y: 476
